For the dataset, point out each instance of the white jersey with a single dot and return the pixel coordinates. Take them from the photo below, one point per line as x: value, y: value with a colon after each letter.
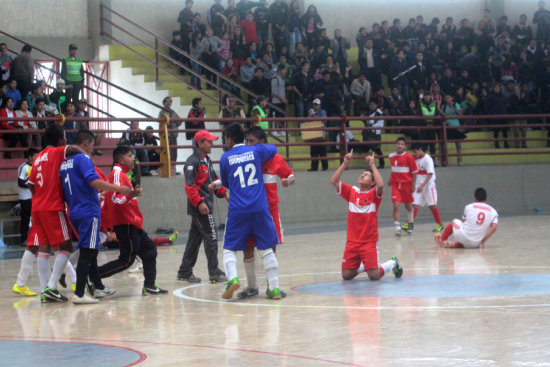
x: 477, y: 219
x: 425, y: 167
x: 23, y: 173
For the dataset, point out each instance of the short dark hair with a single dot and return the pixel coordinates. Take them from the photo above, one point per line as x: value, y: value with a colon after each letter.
x: 480, y: 194
x: 401, y: 138
x: 26, y: 48
x: 120, y: 152
x: 53, y: 134
x: 195, y: 101
x: 84, y: 135
x: 258, y: 132
x: 235, y: 132
x: 417, y: 146
x: 30, y: 152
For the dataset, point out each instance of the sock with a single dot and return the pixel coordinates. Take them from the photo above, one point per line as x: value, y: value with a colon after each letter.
x: 70, y: 273
x: 410, y: 218
x: 387, y: 266
x: 397, y: 225
x: 25, y: 269
x: 415, y: 211
x: 230, y: 264
x: 59, y: 264
x: 82, y: 270
x: 250, y: 268
x: 360, y: 269
x: 447, y: 232
x: 161, y: 241
x: 271, y: 267
x: 435, y: 213
x: 43, y: 265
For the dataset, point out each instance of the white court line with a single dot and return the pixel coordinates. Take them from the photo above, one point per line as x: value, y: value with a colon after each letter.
x: 179, y: 293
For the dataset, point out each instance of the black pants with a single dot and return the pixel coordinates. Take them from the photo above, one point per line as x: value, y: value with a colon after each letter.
x: 133, y: 242
x: 318, y: 151
x: 203, y: 227
x: 86, y: 267
x: 74, y: 94
x: 26, y: 206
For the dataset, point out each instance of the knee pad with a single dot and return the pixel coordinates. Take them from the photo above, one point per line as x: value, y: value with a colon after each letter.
x: 269, y: 259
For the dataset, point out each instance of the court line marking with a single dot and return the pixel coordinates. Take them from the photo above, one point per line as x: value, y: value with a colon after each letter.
x: 186, y: 345
x: 179, y: 293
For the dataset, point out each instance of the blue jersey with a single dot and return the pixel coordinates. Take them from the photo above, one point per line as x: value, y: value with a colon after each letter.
x: 241, y: 173
x: 76, y: 174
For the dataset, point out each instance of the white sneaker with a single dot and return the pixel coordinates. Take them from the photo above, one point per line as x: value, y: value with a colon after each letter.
x: 138, y: 266
x: 85, y: 299
x: 100, y: 293
x: 154, y: 172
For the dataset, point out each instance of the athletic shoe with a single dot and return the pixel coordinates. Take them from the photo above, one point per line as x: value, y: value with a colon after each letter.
x: 85, y: 299
x: 408, y: 227
x: 43, y: 299
x: 62, y: 281
x: 100, y: 293
x: 191, y: 278
x: 283, y: 293
x: 232, y: 286
x: 248, y: 292
x: 138, y: 266
x: 218, y: 278
x: 397, y: 269
x: 153, y: 290
x: 274, y: 294
x: 398, y: 232
x: 24, y: 290
x: 174, y: 236
x: 73, y: 287
x: 438, y: 228
x: 54, y: 295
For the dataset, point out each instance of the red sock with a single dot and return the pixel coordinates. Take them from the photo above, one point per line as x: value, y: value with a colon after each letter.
x: 435, y: 213
x: 161, y: 241
x: 381, y: 272
x: 447, y: 232
x: 415, y: 211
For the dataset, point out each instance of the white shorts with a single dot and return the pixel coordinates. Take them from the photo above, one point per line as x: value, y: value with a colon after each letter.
x: 460, y: 236
x: 428, y: 196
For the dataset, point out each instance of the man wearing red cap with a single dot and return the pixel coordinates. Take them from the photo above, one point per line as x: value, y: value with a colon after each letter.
x: 201, y: 182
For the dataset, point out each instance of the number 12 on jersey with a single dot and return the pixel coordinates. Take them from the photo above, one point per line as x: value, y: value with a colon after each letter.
x: 252, y: 180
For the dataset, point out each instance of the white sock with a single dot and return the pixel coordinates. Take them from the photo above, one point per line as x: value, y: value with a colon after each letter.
x: 410, y: 218
x: 271, y: 267
x: 70, y: 273
x: 388, y: 266
x: 43, y: 265
x: 74, y: 257
x: 361, y: 268
x: 25, y: 269
x: 59, y: 264
x: 250, y: 268
x: 230, y: 264
x: 397, y: 225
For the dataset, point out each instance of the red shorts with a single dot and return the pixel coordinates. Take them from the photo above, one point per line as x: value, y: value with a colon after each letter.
x: 355, y: 254
x: 49, y: 228
x: 401, y: 192
x: 278, y: 227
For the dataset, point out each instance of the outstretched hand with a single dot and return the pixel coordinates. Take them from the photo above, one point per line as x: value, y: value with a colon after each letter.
x: 370, y: 159
x: 348, y: 157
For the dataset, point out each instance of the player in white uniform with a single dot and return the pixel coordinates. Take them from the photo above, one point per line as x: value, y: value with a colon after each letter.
x: 478, y: 224
x: 425, y: 192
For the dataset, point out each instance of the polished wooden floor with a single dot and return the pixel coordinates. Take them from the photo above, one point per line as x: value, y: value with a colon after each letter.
x: 485, y: 307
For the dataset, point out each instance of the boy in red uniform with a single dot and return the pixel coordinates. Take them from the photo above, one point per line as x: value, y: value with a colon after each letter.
x: 403, y: 182
x: 361, y: 253
x: 274, y: 167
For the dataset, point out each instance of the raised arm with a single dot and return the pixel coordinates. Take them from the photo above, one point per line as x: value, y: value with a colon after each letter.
x: 335, y: 179
x: 376, y: 175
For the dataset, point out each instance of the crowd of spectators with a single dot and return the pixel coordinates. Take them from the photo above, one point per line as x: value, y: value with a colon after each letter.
x: 482, y: 66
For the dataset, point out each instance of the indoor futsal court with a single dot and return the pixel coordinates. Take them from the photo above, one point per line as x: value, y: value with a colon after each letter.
x: 452, y: 307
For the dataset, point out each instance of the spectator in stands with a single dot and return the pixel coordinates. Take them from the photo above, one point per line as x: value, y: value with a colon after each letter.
x: 247, y: 71
x: 174, y: 53
x: 466, y: 33
x: 137, y: 139
x: 58, y: 96
x: 318, y: 150
x: 301, y: 52
x: 261, y: 17
x: 278, y: 94
x: 70, y: 124
x: 231, y: 72
x: 196, y: 49
x: 23, y: 70
x: 24, y: 112
x: 37, y: 92
x: 150, y: 140
x: 360, y: 91
x: 294, y: 26
x: 485, y: 30
x: 3, y: 94
x: 496, y: 104
x: 197, y: 111
x: 231, y: 110
x: 374, y: 137
x: 278, y: 17
x: 8, y: 110
x: 260, y: 85
x: 259, y: 110
x: 396, y: 105
x: 451, y: 108
x: 398, y: 71
x: 5, y: 62
x: 211, y: 47
x: 225, y: 52
x: 13, y: 92
x: 428, y: 107
x: 339, y: 46
x: 411, y: 110
x: 542, y: 19
x: 418, y: 77
x: 522, y: 31
x: 172, y: 125
x: 267, y: 67
x: 185, y: 19
x: 72, y: 70
x: 248, y: 26
x: 238, y: 48
x: 40, y: 111
x: 302, y: 87
x: 198, y: 24
x: 81, y: 111
x: 25, y: 195
x: 370, y: 63
x: 311, y: 23
x: 216, y: 17
x: 518, y: 104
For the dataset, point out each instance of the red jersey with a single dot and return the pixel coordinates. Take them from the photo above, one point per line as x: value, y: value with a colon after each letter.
x: 272, y: 168
x: 48, y: 194
x: 402, y: 167
x: 362, y: 214
x: 119, y: 209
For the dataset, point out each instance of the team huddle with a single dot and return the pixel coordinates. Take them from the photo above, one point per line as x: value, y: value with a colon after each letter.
x: 71, y: 195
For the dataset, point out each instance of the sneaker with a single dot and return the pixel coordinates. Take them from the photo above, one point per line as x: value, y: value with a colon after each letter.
x: 438, y: 228
x: 24, y: 290
x: 85, y: 299
x: 397, y: 269
x: 62, y: 281
x: 398, y: 232
x: 283, y: 293
x: 153, y: 290
x: 248, y: 292
x: 138, y: 266
x: 43, y: 299
x: 191, y: 278
x: 54, y: 295
x: 174, y: 236
x: 232, y: 286
x: 100, y: 293
x: 154, y: 173
x: 274, y: 294
x: 218, y: 278
x: 408, y: 227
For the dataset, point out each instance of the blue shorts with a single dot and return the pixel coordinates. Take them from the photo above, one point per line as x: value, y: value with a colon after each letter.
x: 87, y: 230
x: 259, y: 225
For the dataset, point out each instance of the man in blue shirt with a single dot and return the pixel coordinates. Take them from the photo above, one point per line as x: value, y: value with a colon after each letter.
x: 248, y: 214
x: 81, y: 184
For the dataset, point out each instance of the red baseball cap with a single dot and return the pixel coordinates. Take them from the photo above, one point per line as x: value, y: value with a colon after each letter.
x: 204, y: 135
